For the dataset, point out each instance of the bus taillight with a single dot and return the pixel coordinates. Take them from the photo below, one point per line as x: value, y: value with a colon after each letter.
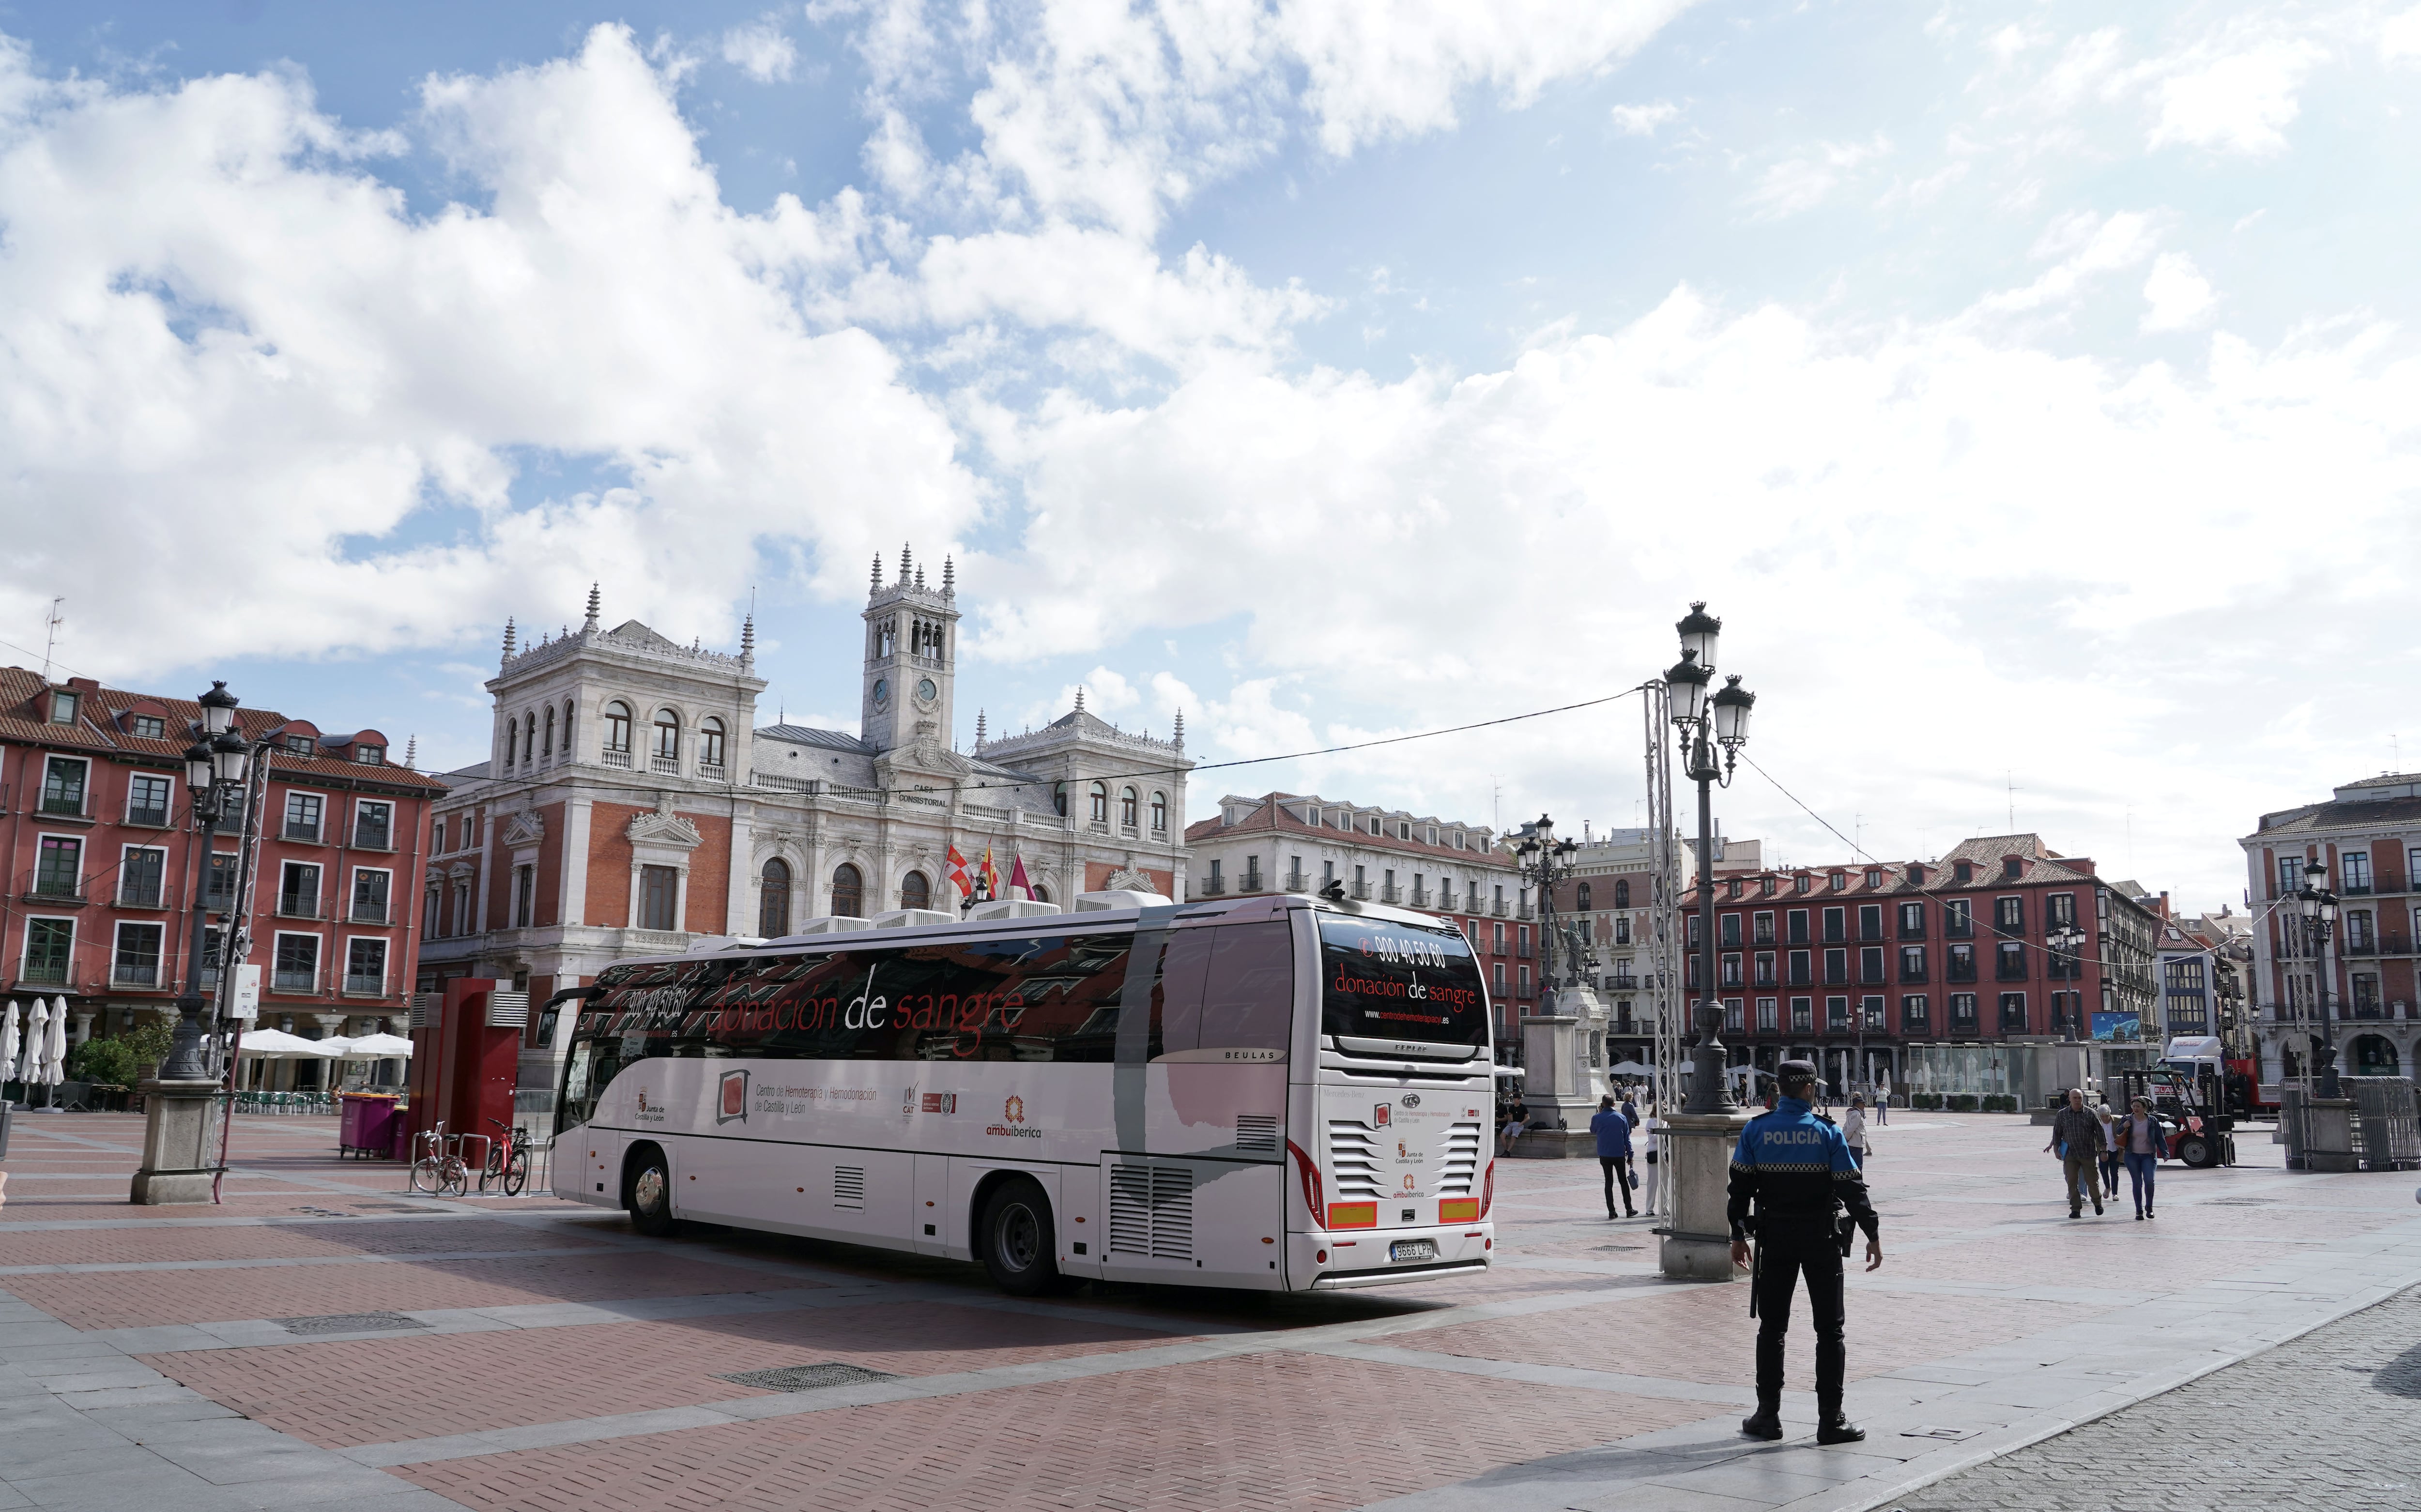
x: 1311, y: 1190
x: 1488, y: 1191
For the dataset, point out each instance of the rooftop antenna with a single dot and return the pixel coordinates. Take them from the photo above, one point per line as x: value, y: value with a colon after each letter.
x: 2011, y: 778
x: 52, y: 643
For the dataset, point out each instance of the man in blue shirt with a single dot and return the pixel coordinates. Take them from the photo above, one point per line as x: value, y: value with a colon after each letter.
x: 1797, y: 1172
x: 1613, y: 1132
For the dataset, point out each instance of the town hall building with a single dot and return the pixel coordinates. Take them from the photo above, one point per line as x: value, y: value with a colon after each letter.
x: 632, y: 806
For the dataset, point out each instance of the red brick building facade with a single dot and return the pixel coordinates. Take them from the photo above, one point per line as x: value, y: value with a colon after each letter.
x: 103, y: 861
x: 1851, y: 965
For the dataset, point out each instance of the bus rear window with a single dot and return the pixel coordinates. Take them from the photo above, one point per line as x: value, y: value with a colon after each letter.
x: 1379, y: 979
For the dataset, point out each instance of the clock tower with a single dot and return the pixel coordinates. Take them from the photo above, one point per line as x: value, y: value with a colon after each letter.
x: 912, y: 658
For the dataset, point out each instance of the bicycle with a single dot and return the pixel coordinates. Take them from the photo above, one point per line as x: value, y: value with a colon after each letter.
x: 508, y: 1158
x: 437, y: 1166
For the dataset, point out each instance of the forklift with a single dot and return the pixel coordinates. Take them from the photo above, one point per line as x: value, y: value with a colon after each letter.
x: 2201, y: 1130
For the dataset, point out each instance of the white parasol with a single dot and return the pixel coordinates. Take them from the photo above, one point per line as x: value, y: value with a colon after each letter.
x: 55, y: 1056
x: 9, y: 1039
x: 276, y: 1044
x: 29, y: 1059
x: 378, y: 1047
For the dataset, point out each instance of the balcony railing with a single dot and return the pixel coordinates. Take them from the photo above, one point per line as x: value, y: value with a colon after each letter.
x: 297, y: 829
x: 138, y: 895
x: 373, y: 837
x: 1360, y: 891
x: 2009, y: 971
x: 55, y: 888
x: 1801, y: 977
x: 1390, y: 893
x: 1907, y: 933
x: 1956, y: 973
x: 1835, y: 975
x: 713, y: 771
x: 45, y: 973
x: 366, y: 913
x: 1252, y: 882
x: 282, y: 980
x: 2357, y: 889
x: 1524, y: 911
x: 1621, y: 983
x: 150, y: 818
x: 372, y: 984
x: 1497, y: 908
x: 1912, y: 978
x: 1420, y: 898
x: 1957, y: 929
x: 292, y: 906
x: 126, y: 975
x: 664, y: 766
x: 615, y: 758
x: 1871, y: 931
x: 1297, y: 882
x: 64, y: 807
x: 1214, y: 886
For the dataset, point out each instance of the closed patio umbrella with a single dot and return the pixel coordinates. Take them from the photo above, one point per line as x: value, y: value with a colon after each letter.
x: 55, y: 1054
x: 9, y: 1040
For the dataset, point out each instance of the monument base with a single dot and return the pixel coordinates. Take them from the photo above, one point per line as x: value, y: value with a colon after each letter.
x: 1555, y: 1145
x: 181, y: 1142
x: 1697, y: 1162
x: 2328, y: 1132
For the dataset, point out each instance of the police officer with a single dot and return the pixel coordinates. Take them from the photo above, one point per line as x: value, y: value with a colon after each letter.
x: 1796, y: 1170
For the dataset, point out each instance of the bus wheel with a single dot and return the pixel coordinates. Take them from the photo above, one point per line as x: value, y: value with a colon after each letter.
x: 648, y: 1193
x: 2194, y: 1150
x: 1016, y: 1239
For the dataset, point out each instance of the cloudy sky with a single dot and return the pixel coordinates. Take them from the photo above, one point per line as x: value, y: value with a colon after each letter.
x: 2034, y: 393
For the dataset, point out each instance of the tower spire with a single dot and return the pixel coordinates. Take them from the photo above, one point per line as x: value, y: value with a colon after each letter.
x: 748, y: 642
x: 596, y: 604
x: 1179, y: 741
x: 980, y: 729
x: 903, y: 564
x: 1080, y: 698
x: 949, y: 577
x: 508, y: 638
x: 875, y: 587
x: 410, y: 753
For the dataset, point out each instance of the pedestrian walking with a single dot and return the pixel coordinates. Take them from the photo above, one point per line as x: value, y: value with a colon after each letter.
x: 1882, y: 1107
x: 2077, y: 1135
x: 1630, y: 1110
x: 1648, y: 1124
x: 1853, y: 1129
x: 2143, y: 1143
x: 1613, y: 1132
x: 1791, y: 1174
x: 2110, y: 1122
x: 1515, y: 1125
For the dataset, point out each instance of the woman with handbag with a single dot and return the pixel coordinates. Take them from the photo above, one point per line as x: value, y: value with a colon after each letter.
x: 1853, y: 1129
x: 2141, y: 1143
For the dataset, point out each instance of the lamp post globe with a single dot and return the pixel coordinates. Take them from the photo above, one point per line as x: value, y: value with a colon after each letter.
x: 1732, y: 704
x: 1688, y: 679
x: 218, y: 710
x: 1700, y: 631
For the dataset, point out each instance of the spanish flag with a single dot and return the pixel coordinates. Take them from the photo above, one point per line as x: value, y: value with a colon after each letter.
x: 991, y: 875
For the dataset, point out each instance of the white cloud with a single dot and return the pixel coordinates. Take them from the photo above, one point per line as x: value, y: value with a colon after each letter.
x: 2088, y: 246
x: 1111, y: 694
x: 207, y: 303
x: 1805, y: 181
x: 2177, y: 296
x: 2241, y: 102
x: 2399, y: 36
x: 1642, y: 121
x: 761, y: 50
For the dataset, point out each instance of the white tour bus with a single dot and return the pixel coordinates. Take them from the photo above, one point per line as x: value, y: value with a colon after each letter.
x: 1282, y: 1093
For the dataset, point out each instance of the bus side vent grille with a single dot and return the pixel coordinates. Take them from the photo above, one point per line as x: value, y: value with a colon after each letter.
x: 1257, y: 1132
x: 1462, y: 1160
x: 1151, y: 1212
x: 849, y: 1186
x: 1354, y: 1152
x: 508, y: 1010
x: 424, y: 1006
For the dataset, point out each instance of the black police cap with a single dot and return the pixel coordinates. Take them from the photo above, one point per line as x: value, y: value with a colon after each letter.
x: 1795, y: 1071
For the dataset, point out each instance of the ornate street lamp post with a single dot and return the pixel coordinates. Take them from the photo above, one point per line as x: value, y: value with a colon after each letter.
x: 2319, y: 906
x: 1544, y: 862
x: 2065, y: 943
x: 1706, y: 727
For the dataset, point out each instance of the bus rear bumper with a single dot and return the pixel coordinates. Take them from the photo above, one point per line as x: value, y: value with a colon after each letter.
x: 1341, y: 1261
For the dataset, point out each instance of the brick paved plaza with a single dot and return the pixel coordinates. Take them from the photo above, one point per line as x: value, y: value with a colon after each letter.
x: 537, y: 1355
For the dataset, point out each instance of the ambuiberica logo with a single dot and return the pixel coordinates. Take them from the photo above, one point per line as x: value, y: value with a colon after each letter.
x: 1012, y: 1121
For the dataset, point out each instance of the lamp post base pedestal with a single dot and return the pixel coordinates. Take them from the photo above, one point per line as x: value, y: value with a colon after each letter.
x: 181, y: 1142
x: 1696, y: 1160
x: 2328, y: 1134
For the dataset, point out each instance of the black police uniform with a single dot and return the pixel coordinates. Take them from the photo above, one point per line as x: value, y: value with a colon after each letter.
x: 1797, y: 1172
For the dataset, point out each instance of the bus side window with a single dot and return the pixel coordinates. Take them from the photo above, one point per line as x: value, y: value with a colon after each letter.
x: 1248, y: 999
x: 1177, y: 992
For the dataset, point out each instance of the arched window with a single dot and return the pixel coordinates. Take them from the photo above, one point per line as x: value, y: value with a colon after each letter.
x: 618, y: 728
x: 709, y: 743
x: 1127, y: 807
x: 548, y: 748
x: 1040, y: 894
x: 914, y: 892
x: 512, y: 740
x: 667, y: 746
x: 1100, y: 803
x: 848, y: 892
x: 1622, y: 894
x: 1059, y: 799
x: 774, y: 901
x: 1584, y: 897
x: 529, y: 740
x: 1159, y: 813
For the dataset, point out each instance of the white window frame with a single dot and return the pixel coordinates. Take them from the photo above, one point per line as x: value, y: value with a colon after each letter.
x: 393, y: 808
x: 160, y: 966
x: 129, y: 810
x: 319, y: 959
x: 285, y: 806
x: 82, y: 811
x: 387, y: 872
x: 128, y: 850
x: 84, y: 857
x: 25, y: 943
x: 386, y: 958
x: 319, y: 894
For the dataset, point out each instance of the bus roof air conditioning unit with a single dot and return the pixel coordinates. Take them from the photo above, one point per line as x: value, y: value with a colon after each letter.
x: 913, y: 918
x: 705, y: 943
x: 1102, y: 902
x: 1012, y: 908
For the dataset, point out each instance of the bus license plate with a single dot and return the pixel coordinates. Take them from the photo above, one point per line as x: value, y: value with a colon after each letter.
x: 1413, y: 1248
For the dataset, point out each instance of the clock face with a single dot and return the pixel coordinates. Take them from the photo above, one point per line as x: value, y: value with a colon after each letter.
x: 925, y: 688
x: 882, y: 690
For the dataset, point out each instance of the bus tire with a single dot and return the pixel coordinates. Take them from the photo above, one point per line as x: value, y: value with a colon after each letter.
x: 647, y: 1191
x: 1016, y: 1239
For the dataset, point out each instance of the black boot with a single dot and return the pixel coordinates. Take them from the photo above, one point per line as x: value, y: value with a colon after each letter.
x: 1766, y: 1422
x: 1831, y: 1375
x: 1832, y: 1426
